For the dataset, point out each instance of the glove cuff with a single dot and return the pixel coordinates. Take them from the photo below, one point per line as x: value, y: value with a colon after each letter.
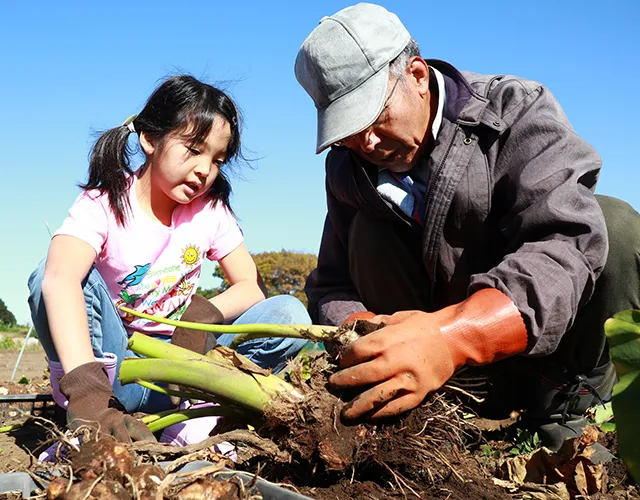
x: 85, y: 379
x: 485, y: 328
x: 200, y: 310
x: 362, y: 315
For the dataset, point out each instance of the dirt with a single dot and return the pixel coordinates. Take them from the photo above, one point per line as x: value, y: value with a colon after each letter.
x: 404, y: 459
x: 32, y: 365
x: 17, y: 446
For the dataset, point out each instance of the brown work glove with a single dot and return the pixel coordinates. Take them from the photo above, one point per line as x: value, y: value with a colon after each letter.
x: 416, y: 352
x: 92, y: 403
x: 200, y: 310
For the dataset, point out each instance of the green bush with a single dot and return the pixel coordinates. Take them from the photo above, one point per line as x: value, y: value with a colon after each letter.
x: 8, y: 343
x: 6, y: 316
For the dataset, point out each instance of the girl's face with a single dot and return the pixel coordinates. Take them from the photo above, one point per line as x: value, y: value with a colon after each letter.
x: 183, y: 171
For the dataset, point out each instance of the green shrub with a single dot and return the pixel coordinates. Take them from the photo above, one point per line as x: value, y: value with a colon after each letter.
x: 8, y: 343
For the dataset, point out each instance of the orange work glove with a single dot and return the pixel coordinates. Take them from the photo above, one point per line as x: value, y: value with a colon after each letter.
x: 362, y: 315
x: 417, y: 352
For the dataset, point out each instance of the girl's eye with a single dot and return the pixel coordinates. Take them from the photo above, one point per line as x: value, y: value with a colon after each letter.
x: 218, y: 163
x: 193, y: 151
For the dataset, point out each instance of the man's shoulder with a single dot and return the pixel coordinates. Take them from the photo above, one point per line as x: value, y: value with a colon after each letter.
x: 343, y: 173
x: 506, y: 95
x: 339, y: 163
x: 492, y: 86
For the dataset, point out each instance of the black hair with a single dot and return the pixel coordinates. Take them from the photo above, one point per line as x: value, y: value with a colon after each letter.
x: 180, y: 103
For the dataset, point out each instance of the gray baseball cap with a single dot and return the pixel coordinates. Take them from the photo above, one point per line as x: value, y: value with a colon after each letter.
x: 344, y: 66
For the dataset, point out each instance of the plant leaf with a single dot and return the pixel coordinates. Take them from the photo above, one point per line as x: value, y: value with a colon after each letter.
x: 623, y: 335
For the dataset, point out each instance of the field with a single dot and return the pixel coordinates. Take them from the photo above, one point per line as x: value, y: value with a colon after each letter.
x: 478, y: 472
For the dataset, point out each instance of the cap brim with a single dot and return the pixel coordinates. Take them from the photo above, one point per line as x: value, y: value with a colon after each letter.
x: 353, y: 112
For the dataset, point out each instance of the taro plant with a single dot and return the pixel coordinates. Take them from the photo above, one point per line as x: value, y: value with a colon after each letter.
x: 222, y: 376
x: 623, y: 335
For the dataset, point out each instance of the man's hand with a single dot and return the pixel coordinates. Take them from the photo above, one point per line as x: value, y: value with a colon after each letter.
x: 417, y: 352
x: 404, y: 361
x: 92, y: 403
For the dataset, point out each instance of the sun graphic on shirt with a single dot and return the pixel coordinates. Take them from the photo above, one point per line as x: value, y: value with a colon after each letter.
x: 190, y: 255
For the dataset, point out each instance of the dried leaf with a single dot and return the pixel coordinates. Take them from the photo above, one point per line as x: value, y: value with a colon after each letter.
x: 580, y: 479
x: 246, y: 365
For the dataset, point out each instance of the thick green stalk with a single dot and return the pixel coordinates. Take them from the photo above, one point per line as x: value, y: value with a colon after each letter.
x: 250, y: 390
x: 153, y: 348
x: 171, y: 417
x: 181, y: 394
x: 317, y: 333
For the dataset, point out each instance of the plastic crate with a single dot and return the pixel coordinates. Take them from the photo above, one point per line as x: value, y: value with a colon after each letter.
x: 14, y: 407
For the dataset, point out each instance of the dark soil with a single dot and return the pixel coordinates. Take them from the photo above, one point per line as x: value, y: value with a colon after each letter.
x: 421, y: 454
x: 432, y: 452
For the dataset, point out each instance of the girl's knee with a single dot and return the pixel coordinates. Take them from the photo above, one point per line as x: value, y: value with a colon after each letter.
x: 34, y: 283
x: 289, y: 309
x: 272, y: 352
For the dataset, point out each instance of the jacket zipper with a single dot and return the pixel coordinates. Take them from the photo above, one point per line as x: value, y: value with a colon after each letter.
x: 426, y: 203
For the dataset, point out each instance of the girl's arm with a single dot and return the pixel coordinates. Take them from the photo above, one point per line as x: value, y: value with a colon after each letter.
x: 68, y: 262
x: 247, y: 287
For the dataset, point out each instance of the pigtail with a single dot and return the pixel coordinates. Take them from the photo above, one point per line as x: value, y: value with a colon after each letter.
x: 109, y: 169
x: 220, y: 191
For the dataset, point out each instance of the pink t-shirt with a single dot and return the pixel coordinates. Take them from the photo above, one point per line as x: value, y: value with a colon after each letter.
x: 147, y: 266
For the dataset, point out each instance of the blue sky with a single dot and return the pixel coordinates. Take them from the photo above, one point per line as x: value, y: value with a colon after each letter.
x: 70, y: 68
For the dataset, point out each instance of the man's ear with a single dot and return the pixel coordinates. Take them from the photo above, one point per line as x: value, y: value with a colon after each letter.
x: 147, y: 145
x: 418, y: 73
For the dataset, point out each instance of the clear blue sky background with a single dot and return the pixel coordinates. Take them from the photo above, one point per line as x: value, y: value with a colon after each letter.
x: 67, y: 68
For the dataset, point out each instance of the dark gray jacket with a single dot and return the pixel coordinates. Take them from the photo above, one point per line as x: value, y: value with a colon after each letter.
x: 509, y: 205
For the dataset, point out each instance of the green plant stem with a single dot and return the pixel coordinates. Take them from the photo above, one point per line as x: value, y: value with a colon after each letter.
x: 317, y: 333
x: 181, y: 394
x: 250, y: 390
x: 9, y: 428
x: 165, y: 419
x: 153, y: 348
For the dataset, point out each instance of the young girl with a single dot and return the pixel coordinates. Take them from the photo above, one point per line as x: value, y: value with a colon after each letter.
x: 137, y: 238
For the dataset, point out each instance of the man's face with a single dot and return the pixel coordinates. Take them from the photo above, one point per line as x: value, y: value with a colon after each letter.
x: 396, y: 138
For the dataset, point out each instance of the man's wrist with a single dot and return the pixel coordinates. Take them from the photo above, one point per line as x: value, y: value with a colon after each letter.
x: 361, y: 315
x: 484, y: 328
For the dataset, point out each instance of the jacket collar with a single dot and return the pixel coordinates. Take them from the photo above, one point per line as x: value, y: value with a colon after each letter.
x: 463, y: 105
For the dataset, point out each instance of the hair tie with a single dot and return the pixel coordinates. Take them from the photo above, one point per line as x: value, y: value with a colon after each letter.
x: 129, y: 123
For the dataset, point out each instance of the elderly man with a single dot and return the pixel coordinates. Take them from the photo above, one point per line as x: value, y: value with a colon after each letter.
x: 461, y: 214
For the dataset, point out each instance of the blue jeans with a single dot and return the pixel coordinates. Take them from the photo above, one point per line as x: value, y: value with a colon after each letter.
x: 109, y: 335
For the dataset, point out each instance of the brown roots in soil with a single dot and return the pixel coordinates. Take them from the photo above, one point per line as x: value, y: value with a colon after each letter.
x: 305, y: 443
x: 414, y: 451
x: 103, y: 468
